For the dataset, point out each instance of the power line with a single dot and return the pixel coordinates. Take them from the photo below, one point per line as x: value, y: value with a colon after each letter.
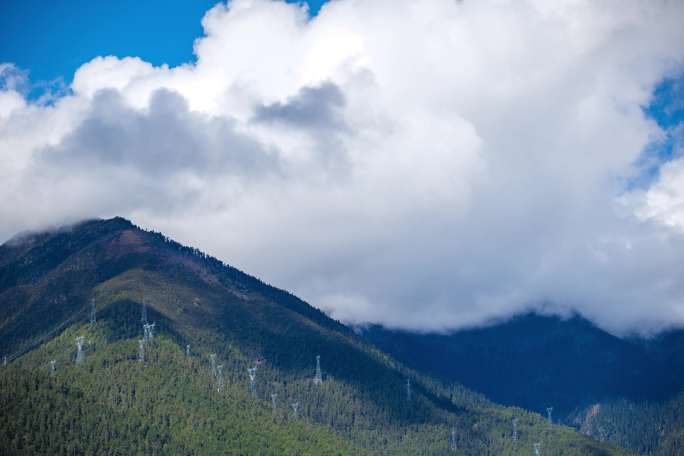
x: 45, y: 336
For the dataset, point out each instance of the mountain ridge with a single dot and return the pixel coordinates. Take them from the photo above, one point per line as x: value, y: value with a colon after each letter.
x: 547, y: 355
x: 228, y: 318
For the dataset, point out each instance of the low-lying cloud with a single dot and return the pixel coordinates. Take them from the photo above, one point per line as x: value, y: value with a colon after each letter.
x: 427, y: 165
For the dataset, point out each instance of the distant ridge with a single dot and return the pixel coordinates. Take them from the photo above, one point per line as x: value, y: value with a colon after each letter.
x: 547, y: 360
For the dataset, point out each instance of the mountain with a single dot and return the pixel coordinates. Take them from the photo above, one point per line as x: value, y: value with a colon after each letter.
x: 586, y: 374
x: 185, y: 386
x: 653, y: 427
x: 549, y: 361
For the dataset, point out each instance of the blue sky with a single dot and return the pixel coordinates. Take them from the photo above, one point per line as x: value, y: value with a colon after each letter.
x: 52, y: 39
x: 668, y: 103
x: 667, y: 108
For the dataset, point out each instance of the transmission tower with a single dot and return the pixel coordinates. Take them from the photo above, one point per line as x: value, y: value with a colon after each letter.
x: 141, y: 350
x: 408, y: 389
x: 53, y: 365
x: 515, y: 429
x: 219, y: 378
x: 295, y: 408
x: 93, y: 318
x: 318, y: 378
x: 252, y: 380
x: 148, y: 330
x: 187, y: 350
x: 4, y: 360
x: 549, y: 411
x: 143, y: 316
x: 80, y: 340
x: 452, y: 440
x: 537, y: 451
x: 602, y: 435
x: 212, y: 359
x: 274, y: 398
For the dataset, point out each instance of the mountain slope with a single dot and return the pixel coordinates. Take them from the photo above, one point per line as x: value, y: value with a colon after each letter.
x: 113, y: 404
x: 651, y: 428
x: 184, y: 405
x: 549, y: 361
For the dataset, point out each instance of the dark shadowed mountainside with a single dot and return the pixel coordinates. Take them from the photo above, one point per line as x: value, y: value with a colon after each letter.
x: 536, y: 361
x: 609, y: 387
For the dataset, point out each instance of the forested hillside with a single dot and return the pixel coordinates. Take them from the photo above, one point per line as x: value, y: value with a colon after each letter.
x: 652, y: 428
x: 187, y: 389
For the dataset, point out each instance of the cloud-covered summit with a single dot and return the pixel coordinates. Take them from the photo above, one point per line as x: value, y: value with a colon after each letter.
x: 426, y: 165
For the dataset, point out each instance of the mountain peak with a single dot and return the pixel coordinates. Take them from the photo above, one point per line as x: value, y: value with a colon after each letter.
x: 117, y: 221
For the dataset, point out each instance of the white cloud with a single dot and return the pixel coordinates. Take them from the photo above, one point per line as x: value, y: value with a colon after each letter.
x: 427, y: 164
x: 663, y: 201
x: 11, y: 81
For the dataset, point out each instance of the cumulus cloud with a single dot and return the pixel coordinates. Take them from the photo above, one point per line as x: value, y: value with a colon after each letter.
x: 12, y: 83
x: 426, y: 165
x: 314, y: 108
x: 663, y: 201
x: 164, y: 139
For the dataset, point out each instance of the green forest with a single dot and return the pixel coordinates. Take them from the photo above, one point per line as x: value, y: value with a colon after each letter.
x: 652, y: 428
x: 170, y: 403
